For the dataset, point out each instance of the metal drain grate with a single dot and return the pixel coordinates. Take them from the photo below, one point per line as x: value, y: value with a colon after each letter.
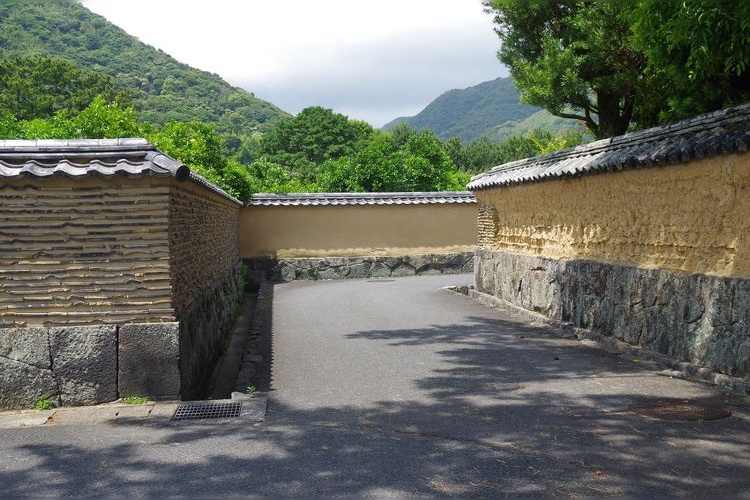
x: 202, y: 411
x: 681, y: 410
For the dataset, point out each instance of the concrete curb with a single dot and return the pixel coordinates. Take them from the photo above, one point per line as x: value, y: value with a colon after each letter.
x: 70, y: 415
x: 151, y: 412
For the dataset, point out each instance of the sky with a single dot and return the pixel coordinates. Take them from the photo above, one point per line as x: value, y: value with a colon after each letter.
x: 371, y: 60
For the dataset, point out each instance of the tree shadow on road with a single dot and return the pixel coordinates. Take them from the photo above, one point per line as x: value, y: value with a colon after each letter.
x: 516, y: 411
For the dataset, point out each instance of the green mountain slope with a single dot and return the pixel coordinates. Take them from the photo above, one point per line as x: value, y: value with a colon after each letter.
x: 490, y: 109
x: 163, y: 89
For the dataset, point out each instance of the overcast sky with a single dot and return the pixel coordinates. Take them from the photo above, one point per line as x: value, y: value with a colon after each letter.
x: 370, y: 60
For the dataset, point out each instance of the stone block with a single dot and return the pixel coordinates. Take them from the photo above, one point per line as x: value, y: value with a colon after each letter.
x: 333, y: 273
x: 149, y: 356
x: 419, y: 262
x: 26, y: 345
x: 84, y: 361
x: 379, y: 270
x: 403, y: 270
x: 359, y: 269
x: 699, y: 318
x: 24, y: 384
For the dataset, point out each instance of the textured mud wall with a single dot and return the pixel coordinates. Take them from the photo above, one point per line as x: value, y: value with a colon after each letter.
x: 689, y: 218
x: 85, y: 251
x: 113, y: 287
x: 205, y: 269
x: 203, y: 241
x: 657, y: 257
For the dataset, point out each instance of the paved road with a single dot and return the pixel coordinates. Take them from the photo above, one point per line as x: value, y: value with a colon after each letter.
x: 400, y: 388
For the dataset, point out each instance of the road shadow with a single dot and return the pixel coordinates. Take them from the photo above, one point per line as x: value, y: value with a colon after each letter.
x: 517, y: 411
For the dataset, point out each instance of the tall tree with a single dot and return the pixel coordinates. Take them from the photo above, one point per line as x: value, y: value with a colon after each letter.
x: 315, y: 135
x: 575, y: 59
x: 699, y: 51
x: 404, y: 160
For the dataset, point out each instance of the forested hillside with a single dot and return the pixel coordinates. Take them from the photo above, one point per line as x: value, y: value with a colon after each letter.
x: 68, y: 73
x: 162, y: 89
x: 490, y: 109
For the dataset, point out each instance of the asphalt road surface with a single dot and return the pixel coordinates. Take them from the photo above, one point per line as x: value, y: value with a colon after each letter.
x: 397, y: 387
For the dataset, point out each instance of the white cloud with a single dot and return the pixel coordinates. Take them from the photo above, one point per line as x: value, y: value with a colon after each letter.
x: 370, y: 58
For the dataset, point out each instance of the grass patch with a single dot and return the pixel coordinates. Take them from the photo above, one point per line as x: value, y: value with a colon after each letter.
x: 44, y: 403
x: 134, y: 400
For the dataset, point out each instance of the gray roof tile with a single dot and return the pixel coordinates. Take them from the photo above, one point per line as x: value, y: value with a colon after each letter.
x: 335, y: 199
x: 78, y: 158
x: 722, y: 132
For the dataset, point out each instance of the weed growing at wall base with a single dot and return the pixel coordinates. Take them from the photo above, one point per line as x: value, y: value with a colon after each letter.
x: 134, y: 400
x: 44, y: 403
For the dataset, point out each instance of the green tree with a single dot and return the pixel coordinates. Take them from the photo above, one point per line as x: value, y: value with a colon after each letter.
x: 576, y: 59
x: 38, y: 87
x: 313, y: 136
x: 97, y: 121
x: 482, y: 154
x: 195, y: 144
x: 269, y: 177
x: 699, y: 51
x: 404, y: 161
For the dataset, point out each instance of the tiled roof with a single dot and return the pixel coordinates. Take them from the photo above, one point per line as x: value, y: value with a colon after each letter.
x: 78, y: 158
x: 325, y: 199
x: 722, y: 132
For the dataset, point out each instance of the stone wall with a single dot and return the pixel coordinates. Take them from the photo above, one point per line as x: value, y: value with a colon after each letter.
x: 691, y: 317
x: 331, y: 268
x: 204, y: 331
x: 70, y: 365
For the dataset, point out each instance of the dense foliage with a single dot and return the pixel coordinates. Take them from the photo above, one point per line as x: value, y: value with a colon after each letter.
x: 403, y: 160
x: 699, y: 52
x: 37, y: 87
x: 619, y: 65
x: 315, y: 135
x: 365, y: 160
x: 482, y: 154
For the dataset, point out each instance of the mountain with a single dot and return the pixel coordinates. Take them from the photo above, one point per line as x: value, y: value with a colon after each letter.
x: 491, y: 109
x: 163, y: 89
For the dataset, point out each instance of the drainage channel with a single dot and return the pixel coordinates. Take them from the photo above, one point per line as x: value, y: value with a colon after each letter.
x: 240, y: 407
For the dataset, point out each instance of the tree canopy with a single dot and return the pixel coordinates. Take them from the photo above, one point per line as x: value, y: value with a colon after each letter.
x: 403, y: 160
x: 37, y: 87
x: 315, y: 135
x: 615, y: 65
x: 574, y: 59
x: 698, y: 51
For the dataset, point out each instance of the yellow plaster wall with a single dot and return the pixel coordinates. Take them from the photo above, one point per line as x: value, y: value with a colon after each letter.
x: 692, y: 217
x: 352, y: 231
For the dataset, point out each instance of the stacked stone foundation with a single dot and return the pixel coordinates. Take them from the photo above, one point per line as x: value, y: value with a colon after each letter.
x: 85, y: 365
x: 697, y: 318
x: 336, y: 268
